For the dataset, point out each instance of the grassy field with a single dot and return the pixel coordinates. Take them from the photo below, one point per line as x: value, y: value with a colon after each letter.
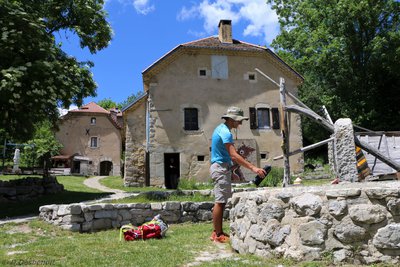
x: 39, y: 243
x: 75, y: 191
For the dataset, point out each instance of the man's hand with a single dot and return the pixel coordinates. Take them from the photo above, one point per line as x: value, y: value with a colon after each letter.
x: 259, y: 171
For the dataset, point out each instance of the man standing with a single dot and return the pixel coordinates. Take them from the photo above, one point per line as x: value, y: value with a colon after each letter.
x: 223, y: 153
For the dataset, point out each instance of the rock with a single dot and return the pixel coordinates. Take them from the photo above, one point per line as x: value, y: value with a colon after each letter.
x: 307, y: 204
x: 366, y: 213
x: 312, y: 233
x: 388, y: 237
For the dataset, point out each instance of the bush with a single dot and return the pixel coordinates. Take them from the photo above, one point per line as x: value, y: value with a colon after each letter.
x: 274, y: 178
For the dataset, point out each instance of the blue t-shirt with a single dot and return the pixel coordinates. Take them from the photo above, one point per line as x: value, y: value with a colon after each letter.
x: 221, y: 136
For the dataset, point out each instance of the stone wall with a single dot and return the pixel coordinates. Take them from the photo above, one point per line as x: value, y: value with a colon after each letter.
x: 89, y: 218
x: 29, y: 188
x: 93, y: 217
x: 354, y: 222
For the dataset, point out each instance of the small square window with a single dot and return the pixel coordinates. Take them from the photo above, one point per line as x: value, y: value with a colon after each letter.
x: 263, y: 155
x: 200, y: 158
x: 252, y: 76
x: 202, y: 72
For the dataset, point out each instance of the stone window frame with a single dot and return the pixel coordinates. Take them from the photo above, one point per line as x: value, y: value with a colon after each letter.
x: 97, y: 142
x: 93, y: 121
x: 199, y: 116
x: 205, y: 70
x: 248, y: 77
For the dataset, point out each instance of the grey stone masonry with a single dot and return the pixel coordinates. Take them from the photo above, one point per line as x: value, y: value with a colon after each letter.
x: 358, y: 223
x: 345, y: 151
x: 89, y: 218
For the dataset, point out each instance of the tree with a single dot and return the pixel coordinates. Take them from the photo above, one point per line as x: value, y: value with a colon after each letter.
x: 130, y: 99
x: 107, y: 104
x: 348, y: 52
x: 36, y: 76
x: 42, y: 146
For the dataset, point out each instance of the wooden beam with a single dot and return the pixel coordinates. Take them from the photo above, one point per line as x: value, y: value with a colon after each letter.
x: 284, y: 133
x: 306, y: 148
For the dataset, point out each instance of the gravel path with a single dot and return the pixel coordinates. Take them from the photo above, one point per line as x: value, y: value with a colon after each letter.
x: 95, y: 184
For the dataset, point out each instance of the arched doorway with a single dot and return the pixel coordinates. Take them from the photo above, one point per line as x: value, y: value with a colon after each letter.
x: 106, y: 168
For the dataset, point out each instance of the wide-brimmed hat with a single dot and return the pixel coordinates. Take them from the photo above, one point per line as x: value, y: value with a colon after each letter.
x: 234, y: 113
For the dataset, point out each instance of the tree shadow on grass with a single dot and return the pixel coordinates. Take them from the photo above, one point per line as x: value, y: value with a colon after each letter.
x: 31, y: 207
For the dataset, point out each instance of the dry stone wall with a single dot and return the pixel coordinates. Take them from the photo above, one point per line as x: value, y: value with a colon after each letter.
x: 352, y: 222
x: 89, y: 218
x: 29, y: 188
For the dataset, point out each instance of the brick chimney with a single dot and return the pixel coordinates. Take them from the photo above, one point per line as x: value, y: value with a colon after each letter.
x: 225, y: 31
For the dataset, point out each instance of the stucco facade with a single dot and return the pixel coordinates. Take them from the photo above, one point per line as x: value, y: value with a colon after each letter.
x: 207, y: 76
x: 92, y: 139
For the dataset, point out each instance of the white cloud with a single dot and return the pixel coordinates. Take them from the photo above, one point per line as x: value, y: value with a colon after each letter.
x: 143, y: 6
x: 261, y: 20
x: 63, y: 111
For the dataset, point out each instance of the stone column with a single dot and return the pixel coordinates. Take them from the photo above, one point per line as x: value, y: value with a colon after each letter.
x: 345, y: 151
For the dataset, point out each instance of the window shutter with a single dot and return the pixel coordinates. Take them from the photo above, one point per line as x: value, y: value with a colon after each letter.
x: 275, y: 118
x: 253, y: 118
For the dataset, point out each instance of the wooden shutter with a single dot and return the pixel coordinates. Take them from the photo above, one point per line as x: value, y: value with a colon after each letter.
x: 275, y: 118
x: 253, y: 118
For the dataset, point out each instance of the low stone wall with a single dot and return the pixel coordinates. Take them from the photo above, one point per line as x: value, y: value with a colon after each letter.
x: 29, y: 188
x: 357, y: 222
x: 95, y: 217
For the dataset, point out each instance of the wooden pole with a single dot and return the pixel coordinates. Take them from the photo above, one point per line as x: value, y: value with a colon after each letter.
x: 306, y: 148
x: 284, y: 132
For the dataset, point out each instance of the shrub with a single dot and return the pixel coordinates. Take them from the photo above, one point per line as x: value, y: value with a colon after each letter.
x: 274, y: 178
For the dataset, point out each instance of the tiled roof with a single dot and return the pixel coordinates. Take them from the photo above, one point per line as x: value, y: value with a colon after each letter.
x: 214, y: 43
x: 91, y: 108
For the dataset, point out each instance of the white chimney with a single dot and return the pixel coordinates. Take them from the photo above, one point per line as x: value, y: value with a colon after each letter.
x: 225, y: 31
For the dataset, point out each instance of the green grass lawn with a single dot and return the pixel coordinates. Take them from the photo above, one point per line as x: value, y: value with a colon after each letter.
x: 39, y: 243
x: 148, y: 198
x: 75, y: 191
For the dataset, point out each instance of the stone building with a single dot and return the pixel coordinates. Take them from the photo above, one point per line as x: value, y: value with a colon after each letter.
x: 92, y: 141
x: 168, y: 129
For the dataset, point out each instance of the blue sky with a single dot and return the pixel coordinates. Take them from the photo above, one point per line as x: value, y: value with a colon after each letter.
x: 145, y: 30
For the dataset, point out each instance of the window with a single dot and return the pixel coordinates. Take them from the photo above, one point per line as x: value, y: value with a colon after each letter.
x: 202, y: 73
x: 263, y: 121
x: 251, y: 77
x: 93, y: 121
x: 260, y: 118
x: 191, y: 119
x: 200, y: 158
x: 219, y: 67
x: 93, y: 142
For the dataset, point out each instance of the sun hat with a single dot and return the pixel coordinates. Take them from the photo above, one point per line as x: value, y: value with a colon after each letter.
x: 234, y: 113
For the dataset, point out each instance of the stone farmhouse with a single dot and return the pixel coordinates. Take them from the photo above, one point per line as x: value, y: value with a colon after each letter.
x: 92, y: 141
x: 168, y: 130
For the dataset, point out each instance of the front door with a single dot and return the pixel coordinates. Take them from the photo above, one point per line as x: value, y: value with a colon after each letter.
x: 105, y: 168
x: 171, y: 170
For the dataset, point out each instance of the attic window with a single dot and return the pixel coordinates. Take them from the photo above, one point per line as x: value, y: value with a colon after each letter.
x: 202, y: 73
x: 251, y: 77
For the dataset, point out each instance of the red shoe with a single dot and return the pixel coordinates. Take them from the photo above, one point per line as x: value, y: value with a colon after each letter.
x: 222, y: 238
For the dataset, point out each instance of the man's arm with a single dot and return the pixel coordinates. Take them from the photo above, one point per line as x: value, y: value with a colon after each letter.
x: 242, y: 162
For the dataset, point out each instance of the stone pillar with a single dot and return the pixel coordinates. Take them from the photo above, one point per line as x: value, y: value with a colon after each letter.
x: 345, y: 150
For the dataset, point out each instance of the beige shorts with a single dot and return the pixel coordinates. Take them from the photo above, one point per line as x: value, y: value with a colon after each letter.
x: 221, y: 176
